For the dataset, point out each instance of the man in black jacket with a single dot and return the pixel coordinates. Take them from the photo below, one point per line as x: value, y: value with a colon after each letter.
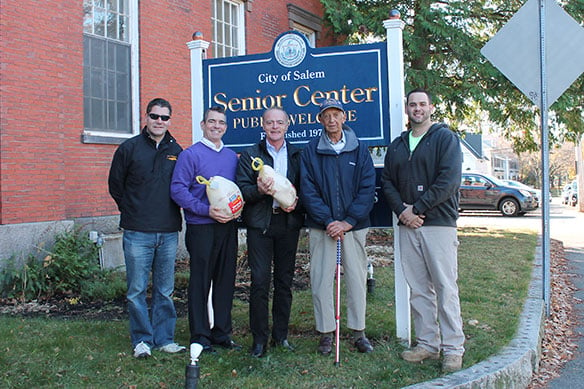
x: 272, y: 231
x: 139, y: 182
x: 420, y: 180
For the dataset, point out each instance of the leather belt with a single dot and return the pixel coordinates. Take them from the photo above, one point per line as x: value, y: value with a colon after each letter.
x: 277, y: 211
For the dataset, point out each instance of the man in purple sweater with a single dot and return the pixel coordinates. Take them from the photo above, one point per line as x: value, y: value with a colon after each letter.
x: 211, y: 236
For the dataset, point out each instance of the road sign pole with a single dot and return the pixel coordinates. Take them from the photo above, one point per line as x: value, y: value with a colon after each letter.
x: 545, y: 246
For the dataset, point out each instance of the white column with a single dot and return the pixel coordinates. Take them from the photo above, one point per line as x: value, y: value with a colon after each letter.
x: 397, y: 122
x: 198, y: 48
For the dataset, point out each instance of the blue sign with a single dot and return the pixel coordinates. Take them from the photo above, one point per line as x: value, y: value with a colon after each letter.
x: 298, y: 78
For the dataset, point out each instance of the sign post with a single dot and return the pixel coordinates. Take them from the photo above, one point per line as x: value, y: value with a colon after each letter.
x: 395, y: 65
x: 198, y: 49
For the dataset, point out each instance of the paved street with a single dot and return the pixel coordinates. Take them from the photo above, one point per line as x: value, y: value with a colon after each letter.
x: 566, y: 225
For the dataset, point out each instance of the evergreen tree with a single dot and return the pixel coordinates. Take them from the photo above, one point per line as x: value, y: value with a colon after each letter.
x: 442, y: 42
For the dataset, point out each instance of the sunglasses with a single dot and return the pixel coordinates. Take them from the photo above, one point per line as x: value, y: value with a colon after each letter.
x: 154, y: 116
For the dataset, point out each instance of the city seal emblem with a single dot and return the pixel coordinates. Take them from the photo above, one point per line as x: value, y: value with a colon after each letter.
x: 290, y: 50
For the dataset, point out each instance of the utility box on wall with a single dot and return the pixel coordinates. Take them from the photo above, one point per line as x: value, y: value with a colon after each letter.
x: 111, y: 253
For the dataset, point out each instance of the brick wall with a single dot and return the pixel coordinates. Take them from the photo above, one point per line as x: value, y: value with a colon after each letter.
x: 46, y: 173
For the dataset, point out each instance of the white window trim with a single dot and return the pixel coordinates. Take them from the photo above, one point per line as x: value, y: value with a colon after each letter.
x: 240, y: 6
x: 241, y: 23
x: 134, y: 41
x: 307, y: 32
x: 135, y: 65
x: 305, y: 22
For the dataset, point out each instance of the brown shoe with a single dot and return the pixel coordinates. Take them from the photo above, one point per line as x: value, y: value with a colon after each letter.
x: 451, y: 363
x: 363, y: 345
x: 418, y: 354
x: 325, y: 346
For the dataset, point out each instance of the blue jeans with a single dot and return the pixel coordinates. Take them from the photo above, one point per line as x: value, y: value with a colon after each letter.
x: 154, y: 252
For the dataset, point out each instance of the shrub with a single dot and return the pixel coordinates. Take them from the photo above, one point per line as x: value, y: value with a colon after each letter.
x: 73, y: 260
x: 23, y: 282
x: 107, y: 285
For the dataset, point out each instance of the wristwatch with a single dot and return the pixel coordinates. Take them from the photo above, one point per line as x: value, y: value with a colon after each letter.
x: 415, y: 210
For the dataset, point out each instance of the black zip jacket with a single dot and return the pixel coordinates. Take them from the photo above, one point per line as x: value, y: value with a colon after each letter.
x: 139, y: 182
x: 428, y: 178
x: 257, y: 212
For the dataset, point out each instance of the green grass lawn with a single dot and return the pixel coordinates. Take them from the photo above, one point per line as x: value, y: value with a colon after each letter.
x: 494, y: 273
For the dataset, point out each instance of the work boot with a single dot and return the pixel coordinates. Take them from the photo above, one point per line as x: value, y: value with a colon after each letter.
x: 418, y: 354
x: 451, y: 363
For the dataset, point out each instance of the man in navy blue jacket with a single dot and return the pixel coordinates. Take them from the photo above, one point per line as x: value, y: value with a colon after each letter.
x: 420, y: 180
x: 337, y: 188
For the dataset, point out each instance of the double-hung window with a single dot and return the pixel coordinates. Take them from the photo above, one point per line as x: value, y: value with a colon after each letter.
x: 228, y: 28
x: 305, y: 22
x: 110, y: 70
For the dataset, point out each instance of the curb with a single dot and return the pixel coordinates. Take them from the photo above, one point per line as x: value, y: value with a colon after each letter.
x: 514, y: 365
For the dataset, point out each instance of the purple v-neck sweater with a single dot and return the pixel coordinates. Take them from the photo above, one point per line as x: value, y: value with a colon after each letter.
x: 199, y: 160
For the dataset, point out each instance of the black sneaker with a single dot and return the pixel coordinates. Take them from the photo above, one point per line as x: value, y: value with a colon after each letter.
x: 325, y: 346
x: 363, y: 345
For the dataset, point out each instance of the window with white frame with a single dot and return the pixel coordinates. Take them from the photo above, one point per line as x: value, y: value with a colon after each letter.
x: 307, y: 32
x: 110, y: 76
x: 228, y: 28
x: 306, y: 23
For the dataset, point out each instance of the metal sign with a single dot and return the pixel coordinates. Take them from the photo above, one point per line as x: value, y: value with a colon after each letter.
x: 515, y: 51
x: 298, y: 78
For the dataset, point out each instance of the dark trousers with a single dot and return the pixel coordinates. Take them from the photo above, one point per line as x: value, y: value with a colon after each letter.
x: 213, y: 252
x: 277, y: 245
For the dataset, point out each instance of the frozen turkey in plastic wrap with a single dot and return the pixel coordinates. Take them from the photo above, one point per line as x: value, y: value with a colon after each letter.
x: 224, y: 194
x: 284, y: 191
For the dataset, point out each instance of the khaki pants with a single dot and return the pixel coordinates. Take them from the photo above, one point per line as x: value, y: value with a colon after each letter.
x: 323, y: 259
x: 429, y: 261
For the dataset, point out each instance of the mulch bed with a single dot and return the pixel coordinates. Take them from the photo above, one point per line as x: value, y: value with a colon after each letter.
x: 558, y: 344
x: 71, y: 307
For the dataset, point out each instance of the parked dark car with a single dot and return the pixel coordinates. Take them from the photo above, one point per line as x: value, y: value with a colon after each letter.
x: 483, y: 192
x: 536, y: 193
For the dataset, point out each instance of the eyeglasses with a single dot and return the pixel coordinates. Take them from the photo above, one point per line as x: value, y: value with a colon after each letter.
x: 154, y: 116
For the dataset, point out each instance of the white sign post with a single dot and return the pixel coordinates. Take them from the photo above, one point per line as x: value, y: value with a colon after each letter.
x: 198, y: 47
x: 395, y: 68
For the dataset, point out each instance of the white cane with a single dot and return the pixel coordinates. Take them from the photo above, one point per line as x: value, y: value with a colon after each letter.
x: 338, y: 313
